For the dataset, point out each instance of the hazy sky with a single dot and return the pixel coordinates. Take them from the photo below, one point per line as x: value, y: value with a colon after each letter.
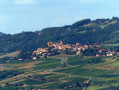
x: 31, y: 15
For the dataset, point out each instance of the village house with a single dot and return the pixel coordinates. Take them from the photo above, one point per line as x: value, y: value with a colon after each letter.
x: 62, y: 47
x: 34, y: 58
x: 101, y: 50
x: 78, y: 53
x: 40, y: 51
x: 50, y: 44
x: 59, y: 46
x: 97, y: 55
x: 78, y: 44
x: 109, y: 53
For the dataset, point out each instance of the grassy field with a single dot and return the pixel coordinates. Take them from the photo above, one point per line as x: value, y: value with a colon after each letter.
x: 14, y: 54
x: 111, y: 45
x: 49, y: 73
x: 103, y: 26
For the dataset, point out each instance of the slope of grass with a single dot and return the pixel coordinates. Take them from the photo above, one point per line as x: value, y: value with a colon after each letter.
x: 78, y: 70
x: 8, y: 88
x: 111, y: 45
x: 33, y: 82
x: 14, y: 54
x: 103, y: 26
x: 48, y: 63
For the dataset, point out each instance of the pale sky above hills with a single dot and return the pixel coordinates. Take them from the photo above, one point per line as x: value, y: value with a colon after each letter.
x: 31, y: 15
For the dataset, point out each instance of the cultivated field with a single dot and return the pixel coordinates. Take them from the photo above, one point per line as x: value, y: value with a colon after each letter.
x: 49, y: 73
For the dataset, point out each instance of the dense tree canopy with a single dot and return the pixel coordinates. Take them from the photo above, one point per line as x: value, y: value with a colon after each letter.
x: 84, y: 31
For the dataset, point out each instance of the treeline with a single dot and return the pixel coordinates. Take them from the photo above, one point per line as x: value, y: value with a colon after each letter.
x: 84, y: 31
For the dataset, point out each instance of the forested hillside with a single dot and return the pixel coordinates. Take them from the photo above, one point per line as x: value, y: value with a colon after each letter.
x: 1, y: 33
x: 84, y: 31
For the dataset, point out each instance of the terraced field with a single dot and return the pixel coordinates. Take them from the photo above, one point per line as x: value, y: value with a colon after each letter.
x: 78, y: 74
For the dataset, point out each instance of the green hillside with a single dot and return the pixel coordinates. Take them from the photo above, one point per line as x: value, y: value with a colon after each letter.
x: 85, y: 31
x: 1, y: 33
x: 48, y: 73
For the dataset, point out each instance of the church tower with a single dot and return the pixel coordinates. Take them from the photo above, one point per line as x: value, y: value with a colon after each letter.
x: 61, y: 42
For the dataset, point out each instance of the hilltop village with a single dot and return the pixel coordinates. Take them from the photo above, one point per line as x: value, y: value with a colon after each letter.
x: 71, y: 49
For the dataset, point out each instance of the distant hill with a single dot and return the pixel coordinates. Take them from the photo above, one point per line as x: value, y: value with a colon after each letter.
x: 1, y: 33
x: 85, y: 31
